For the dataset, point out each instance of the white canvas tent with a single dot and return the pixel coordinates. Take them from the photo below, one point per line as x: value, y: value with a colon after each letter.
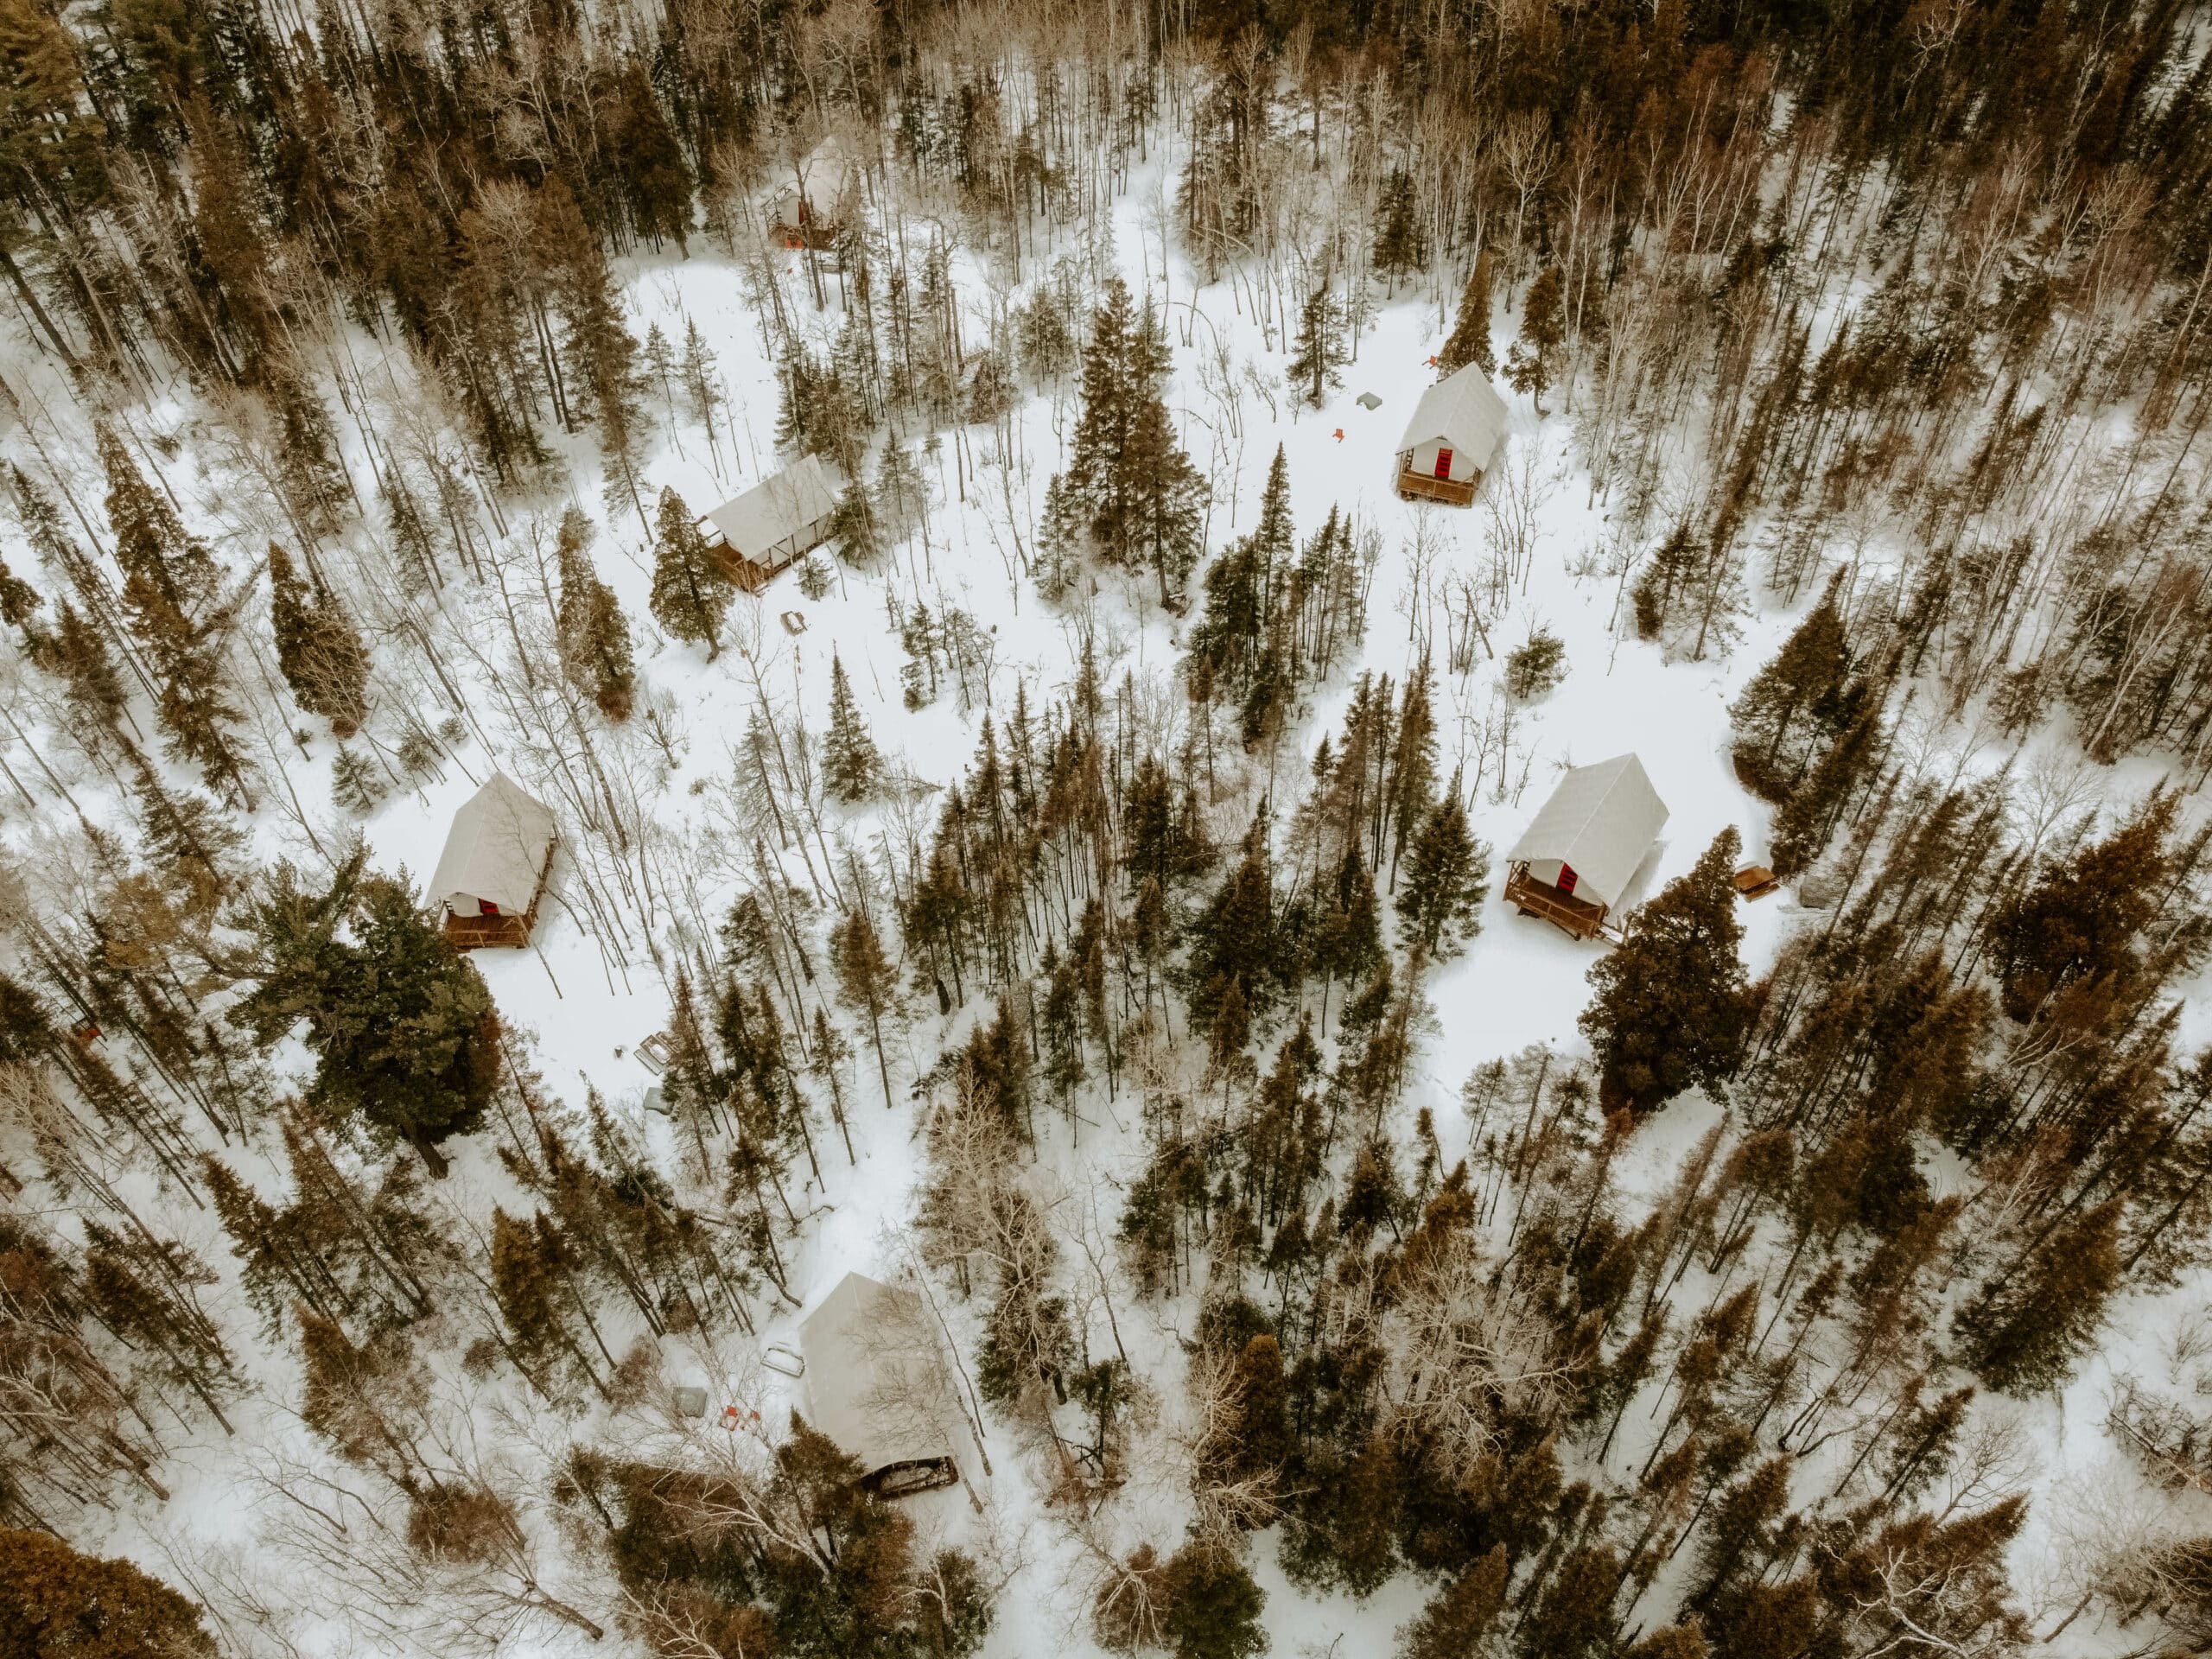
x: 877, y: 1384
x: 781, y: 518
x: 1578, y: 855
x: 1455, y: 430
x: 496, y: 855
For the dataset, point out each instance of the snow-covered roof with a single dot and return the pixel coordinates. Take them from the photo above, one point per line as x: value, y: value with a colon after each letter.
x: 1464, y: 410
x: 496, y: 848
x: 1601, y: 820
x: 873, y: 1376
x: 776, y: 509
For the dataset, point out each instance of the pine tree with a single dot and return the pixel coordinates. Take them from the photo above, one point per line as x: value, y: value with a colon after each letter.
x: 1400, y: 245
x: 54, y: 1602
x: 850, y: 764
x: 1793, y: 702
x: 19, y: 606
x: 319, y: 652
x: 1672, y: 1008
x: 1447, y: 878
x: 867, y: 982
x: 2024, y: 1330
x: 169, y: 581
x: 1315, y: 355
x: 405, y: 1036
x: 1138, y: 494
x: 592, y: 634
x: 1210, y: 1605
x: 1543, y: 330
x: 1458, y: 1618
x: 692, y: 589
x: 1469, y: 340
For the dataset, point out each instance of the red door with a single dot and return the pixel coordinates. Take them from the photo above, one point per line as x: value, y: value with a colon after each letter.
x: 1444, y: 463
x: 487, y: 908
x: 1566, y: 878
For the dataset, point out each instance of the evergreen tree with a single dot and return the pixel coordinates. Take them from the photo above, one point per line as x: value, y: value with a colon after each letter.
x: 867, y: 982
x: 56, y: 1604
x: 850, y: 764
x: 1447, y: 878
x: 1137, y: 493
x: 2024, y: 1330
x: 405, y: 1037
x: 169, y: 586
x: 19, y: 606
x: 319, y: 652
x: 1459, y: 1617
x: 1401, y: 243
x: 593, y: 637
x: 1316, y: 354
x: 1233, y: 942
x: 692, y: 589
x: 1210, y: 1607
x: 1543, y: 330
x: 1672, y: 1008
x: 1470, y: 340
x: 1793, y: 702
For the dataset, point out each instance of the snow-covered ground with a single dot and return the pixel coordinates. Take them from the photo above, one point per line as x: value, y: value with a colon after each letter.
x: 1521, y: 981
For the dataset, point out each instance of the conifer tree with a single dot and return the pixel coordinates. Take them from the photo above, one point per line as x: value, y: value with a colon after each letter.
x: 319, y: 652
x: 692, y: 589
x: 19, y: 606
x: 2024, y: 1330
x: 1210, y: 1605
x: 1400, y: 245
x: 1791, y: 702
x: 1136, y: 489
x: 1447, y: 878
x: 1470, y: 340
x: 867, y: 982
x: 1459, y: 1617
x: 1316, y: 355
x: 169, y: 583
x: 54, y: 1602
x: 405, y: 1037
x: 1672, y: 1008
x: 851, y: 762
x: 1543, y: 330
x: 592, y: 634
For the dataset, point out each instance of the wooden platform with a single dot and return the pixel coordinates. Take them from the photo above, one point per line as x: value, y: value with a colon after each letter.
x: 486, y: 932
x: 1576, y: 917
x: 1421, y: 486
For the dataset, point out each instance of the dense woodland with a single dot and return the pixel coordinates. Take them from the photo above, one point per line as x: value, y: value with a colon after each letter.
x: 324, y: 418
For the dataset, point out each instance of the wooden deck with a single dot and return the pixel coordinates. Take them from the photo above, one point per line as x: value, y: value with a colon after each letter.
x: 1422, y: 486
x: 1578, y: 917
x: 487, y: 932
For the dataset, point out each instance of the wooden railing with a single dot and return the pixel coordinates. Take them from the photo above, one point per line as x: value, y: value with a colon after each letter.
x: 489, y: 932
x: 1576, y: 916
x: 1422, y: 485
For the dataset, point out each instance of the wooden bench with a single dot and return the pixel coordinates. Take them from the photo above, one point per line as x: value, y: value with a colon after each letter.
x: 1756, y: 881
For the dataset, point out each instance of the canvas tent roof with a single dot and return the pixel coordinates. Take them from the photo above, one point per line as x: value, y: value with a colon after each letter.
x: 875, y: 1376
x: 1464, y: 410
x: 1602, y: 820
x: 496, y: 848
x: 777, y: 508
